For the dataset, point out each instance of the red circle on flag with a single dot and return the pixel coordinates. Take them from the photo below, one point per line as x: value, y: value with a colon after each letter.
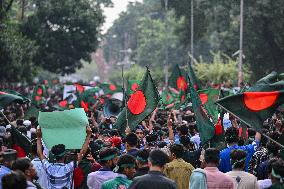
x: 181, y: 83
x: 63, y: 103
x: 37, y: 98
x: 39, y: 91
x: 203, y: 97
x: 182, y: 98
x: 257, y: 101
x: 137, y: 103
x: 168, y: 97
x: 112, y: 87
x: 134, y: 86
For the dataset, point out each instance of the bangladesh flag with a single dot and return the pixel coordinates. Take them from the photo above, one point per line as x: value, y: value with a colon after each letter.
x: 208, y: 98
x: 140, y: 104
x: 253, y: 108
x: 6, y: 99
x: 110, y: 89
x: 205, y: 126
x: 31, y: 112
x: 63, y: 104
x: 132, y: 86
x: 167, y: 97
x: 79, y: 88
x: 20, y: 142
x: 81, y: 174
x: 195, y: 82
x: 25, y: 99
x: 38, y: 96
x: 178, y: 82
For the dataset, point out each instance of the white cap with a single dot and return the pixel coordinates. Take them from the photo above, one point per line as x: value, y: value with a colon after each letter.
x: 27, y: 123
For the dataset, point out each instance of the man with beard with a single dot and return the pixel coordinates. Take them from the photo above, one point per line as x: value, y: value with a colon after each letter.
x: 108, y: 160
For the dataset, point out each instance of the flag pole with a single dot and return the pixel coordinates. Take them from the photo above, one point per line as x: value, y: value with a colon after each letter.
x: 5, y: 117
x: 251, y: 126
x: 124, y: 94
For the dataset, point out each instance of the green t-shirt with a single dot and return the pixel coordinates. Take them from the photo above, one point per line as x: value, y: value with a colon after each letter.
x: 120, y: 182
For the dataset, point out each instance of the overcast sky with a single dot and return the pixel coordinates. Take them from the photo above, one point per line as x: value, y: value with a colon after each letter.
x: 113, y: 13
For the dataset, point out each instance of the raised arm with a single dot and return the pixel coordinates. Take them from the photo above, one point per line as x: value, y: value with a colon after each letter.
x: 86, y: 144
x: 39, y: 145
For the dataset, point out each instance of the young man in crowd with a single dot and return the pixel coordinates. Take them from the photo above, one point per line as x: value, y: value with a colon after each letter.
x: 25, y: 165
x: 178, y: 170
x: 232, y: 138
x: 242, y: 179
x: 155, y: 179
x: 6, y: 159
x: 126, y: 170
x: 210, y: 177
x: 108, y: 159
x: 59, y: 174
x: 131, y: 142
x: 142, y: 163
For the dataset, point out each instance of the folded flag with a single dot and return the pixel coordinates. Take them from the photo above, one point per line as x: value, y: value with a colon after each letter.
x: 20, y: 142
x: 6, y: 99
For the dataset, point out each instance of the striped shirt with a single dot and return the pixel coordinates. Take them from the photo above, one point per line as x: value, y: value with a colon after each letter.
x: 59, y: 174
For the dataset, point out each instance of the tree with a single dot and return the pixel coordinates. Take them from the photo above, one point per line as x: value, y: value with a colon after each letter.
x: 217, y: 29
x: 66, y: 32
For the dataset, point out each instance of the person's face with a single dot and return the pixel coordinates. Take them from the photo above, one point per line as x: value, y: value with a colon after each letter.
x: 139, y: 133
x: 113, y: 162
x: 129, y: 172
x: 31, y: 172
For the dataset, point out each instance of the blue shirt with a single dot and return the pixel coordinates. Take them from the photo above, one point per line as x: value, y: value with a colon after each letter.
x: 3, y: 171
x: 225, y: 164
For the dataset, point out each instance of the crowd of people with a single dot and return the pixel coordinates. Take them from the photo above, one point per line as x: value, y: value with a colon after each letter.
x: 163, y: 151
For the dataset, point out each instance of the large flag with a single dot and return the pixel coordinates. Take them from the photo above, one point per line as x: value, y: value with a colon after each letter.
x: 208, y: 98
x: 38, y: 96
x: 140, y: 104
x: 9, y: 91
x: 253, y: 108
x: 20, y: 142
x: 205, y: 126
x: 195, y: 82
x: 6, y: 99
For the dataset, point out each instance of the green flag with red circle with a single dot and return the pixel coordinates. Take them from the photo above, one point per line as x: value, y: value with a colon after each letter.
x: 253, y: 108
x: 109, y: 88
x: 140, y: 104
x: 205, y: 127
x: 195, y: 82
x: 208, y: 98
x: 38, y: 96
x: 20, y: 142
x: 178, y: 81
x: 132, y: 86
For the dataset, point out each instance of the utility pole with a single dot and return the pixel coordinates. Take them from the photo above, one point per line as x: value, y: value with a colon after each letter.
x: 167, y: 47
x: 240, y: 71
x: 191, y: 31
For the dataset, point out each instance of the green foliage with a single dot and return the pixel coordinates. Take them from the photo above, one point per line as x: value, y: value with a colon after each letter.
x: 222, y: 68
x: 16, y: 55
x: 216, y: 27
x: 66, y: 32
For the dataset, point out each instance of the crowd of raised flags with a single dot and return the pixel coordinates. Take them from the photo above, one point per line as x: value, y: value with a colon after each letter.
x: 180, y: 120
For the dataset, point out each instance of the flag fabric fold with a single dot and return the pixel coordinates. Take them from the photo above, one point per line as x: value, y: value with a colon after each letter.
x: 6, y: 99
x: 205, y: 127
x: 20, y: 142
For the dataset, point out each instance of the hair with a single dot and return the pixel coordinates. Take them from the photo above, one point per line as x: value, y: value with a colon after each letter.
x: 185, y: 141
x: 15, y: 179
x: 269, y: 165
x: 212, y: 156
x: 21, y: 164
x: 125, y: 159
x: 105, y: 152
x: 177, y: 149
x: 238, y: 159
x: 278, y: 167
x: 232, y: 135
x: 183, y: 129
x: 131, y: 139
x: 58, y: 149
x: 158, y: 158
x: 143, y: 155
x: 272, y: 148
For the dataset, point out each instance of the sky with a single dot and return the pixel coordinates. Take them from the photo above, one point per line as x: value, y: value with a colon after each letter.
x: 113, y: 13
